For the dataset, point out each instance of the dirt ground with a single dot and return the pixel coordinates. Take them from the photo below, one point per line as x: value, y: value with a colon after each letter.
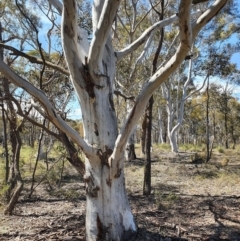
x: 189, y: 201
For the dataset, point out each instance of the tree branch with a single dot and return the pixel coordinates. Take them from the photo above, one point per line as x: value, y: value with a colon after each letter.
x: 71, y: 42
x: 187, y: 35
x: 9, y: 39
x: 26, y: 116
x: 33, y: 59
x: 101, y: 34
x: 198, y: 1
x: 194, y: 92
x: 57, y: 4
x: 118, y: 92
x: 37, y: 40
x: 207, y: 16
x: 52, y: 115
x: 146, y: 34
x: 159, y: 77
x: 141, y: 20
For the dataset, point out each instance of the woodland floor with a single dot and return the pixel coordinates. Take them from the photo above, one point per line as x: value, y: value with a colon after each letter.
x: 189, y: 201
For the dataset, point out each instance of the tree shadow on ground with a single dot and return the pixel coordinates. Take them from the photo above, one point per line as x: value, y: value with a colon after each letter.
x: 144, y: 234
x: 191, y: 217
x: 137, y: 162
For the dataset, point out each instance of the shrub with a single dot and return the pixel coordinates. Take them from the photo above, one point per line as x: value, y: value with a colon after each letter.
x: 224, y: 161
x: 220, y: 149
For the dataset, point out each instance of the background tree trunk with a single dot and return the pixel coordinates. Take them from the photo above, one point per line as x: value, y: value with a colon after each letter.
x: 130, y: 148
x: 4, y: 141
x: 147, y: 168
x: 14, y: 181
x: 5, y: 145
x: 208, y: 154
x: 143, y: 134
x: 37, y: 159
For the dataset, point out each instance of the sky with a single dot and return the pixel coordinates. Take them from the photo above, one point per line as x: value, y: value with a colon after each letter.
x: 74, y: 105
x: 236, y: 59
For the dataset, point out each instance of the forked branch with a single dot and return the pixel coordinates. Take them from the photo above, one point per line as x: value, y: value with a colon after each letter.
x: 101, y: 34
x: 146, y: 34
x: 187, y: 34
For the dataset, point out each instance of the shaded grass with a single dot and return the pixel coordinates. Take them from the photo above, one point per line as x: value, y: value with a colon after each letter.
x: 162, y: 147
x: 165, y: 202
x: 191, y: 147
x: 134, y: 178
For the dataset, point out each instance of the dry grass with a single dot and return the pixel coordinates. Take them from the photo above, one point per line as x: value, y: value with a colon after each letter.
x: 187, y: 195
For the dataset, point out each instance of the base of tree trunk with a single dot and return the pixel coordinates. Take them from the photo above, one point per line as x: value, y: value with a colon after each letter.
x: 108, y: 213
x: 14, y: 198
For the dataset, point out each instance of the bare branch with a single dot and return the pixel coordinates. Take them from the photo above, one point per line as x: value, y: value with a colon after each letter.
x: 71, y: 44
x: 9, y: 39
x: 207, y: 16
x: 198, y: 1
x: 186, y: 38
x: 33, y: 59
x: 101, y: 34
x: 38, y: 42
x: 159, y: 77
x: 118, y: 92
x: 57, y: 4
x: 192, y: 93
x: 141, y: 20
x: 146, y: 34
x: 51, y: 113
x: 170, y: 48
x: 123, y: 25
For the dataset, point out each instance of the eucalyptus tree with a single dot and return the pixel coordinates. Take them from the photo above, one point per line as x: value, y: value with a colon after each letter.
x: 13, y: 174
x: 92, y: 71
x: 216, y: 64
x: 133, y: 71
x: 234, y: 120
x: 17, y: 100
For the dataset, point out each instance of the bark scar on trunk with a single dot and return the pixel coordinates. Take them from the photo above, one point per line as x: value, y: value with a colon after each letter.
x: 118, y: 173
x: 102, y: 231
x: 68, y: 31
x: 104, y: 155
x: 89, y: 83
x: 91, y: 189
x: 96, y: 129
x: 109, y: 182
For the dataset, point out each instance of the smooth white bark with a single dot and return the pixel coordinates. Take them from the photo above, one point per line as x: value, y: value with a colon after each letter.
x: 181, y: 110
x: 160, y: 126
x: 108, y: 208
x: 57, y: 4
x: 101, y: 34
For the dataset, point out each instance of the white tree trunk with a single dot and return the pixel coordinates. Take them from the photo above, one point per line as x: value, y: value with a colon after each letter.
x: 107, y: 205
x: 173, y: 143
x: 160, y: 126
x: 169, y: 107
x: 180, y: 112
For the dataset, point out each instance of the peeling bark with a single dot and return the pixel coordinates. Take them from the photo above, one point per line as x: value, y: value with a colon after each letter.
x: 108, y: 209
